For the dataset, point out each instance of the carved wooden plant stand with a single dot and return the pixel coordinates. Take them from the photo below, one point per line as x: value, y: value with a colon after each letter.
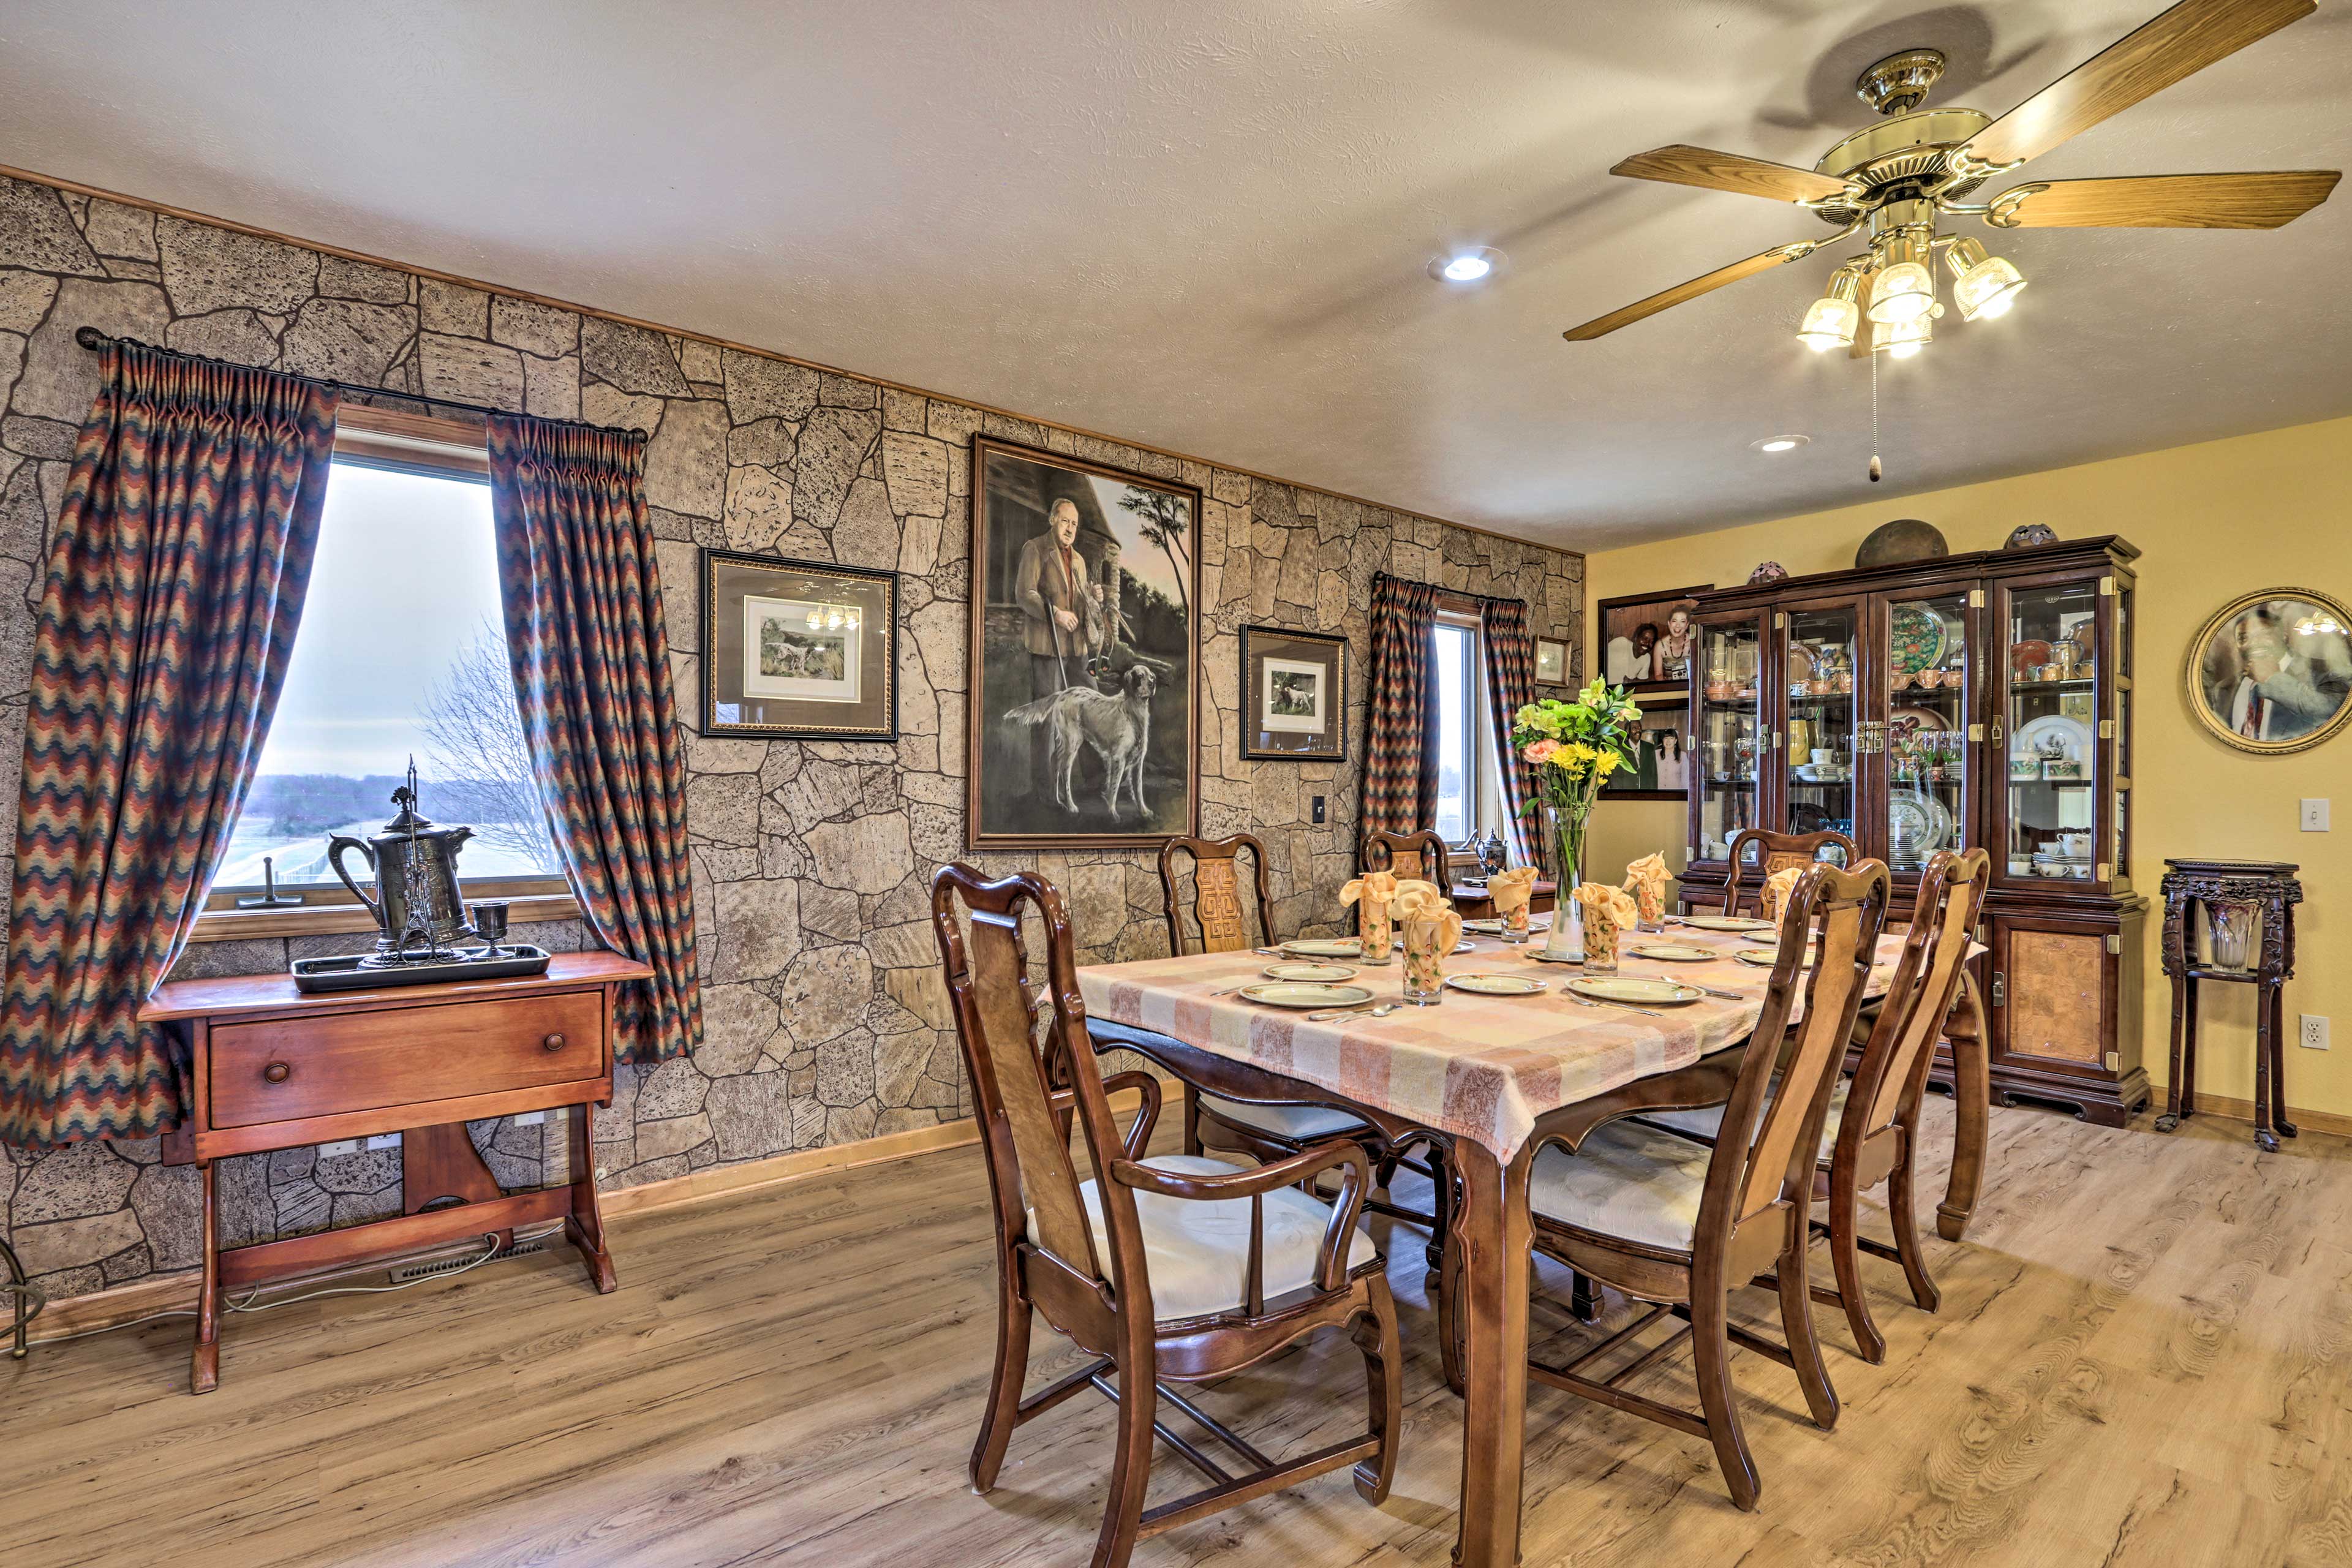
x: 2270, y: 886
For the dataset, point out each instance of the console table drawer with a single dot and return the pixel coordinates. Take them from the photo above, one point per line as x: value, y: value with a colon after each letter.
x: 288, y: 1069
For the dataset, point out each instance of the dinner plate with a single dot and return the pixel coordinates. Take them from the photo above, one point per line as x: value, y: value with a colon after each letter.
x: 1673, y: 952
x: 1495, y: 985
x: 1324, y: 973
x: 1765, y: 957
x: 1725, y: 922
x: 1484, y: 928
x: 1625, y: 989
x: 1325, y: 947
x: 1287, y: 993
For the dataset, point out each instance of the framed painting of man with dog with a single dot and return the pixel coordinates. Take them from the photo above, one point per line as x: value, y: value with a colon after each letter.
x: 1294, y: 695
x: 1084, y: 660
x: 798, y: 650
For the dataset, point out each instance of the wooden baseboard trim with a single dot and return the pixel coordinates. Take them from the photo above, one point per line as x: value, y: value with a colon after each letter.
x: 2326, y: 1121
x: 176, y: 1291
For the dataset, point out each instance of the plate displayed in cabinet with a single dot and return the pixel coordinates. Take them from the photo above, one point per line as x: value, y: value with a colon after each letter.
x: 1917, y: 638
x: 1917, y: 825
x: 2053, y: 737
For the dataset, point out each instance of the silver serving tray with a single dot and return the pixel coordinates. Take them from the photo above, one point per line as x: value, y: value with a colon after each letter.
x: 356, y: 972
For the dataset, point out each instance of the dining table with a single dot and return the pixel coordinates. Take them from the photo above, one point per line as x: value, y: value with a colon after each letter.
x: 1491, y: 1077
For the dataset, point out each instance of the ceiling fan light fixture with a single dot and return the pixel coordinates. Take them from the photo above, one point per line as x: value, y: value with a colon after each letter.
x: 1832, y: 321
x: 1983, y: 287
x: 1905, y: 291
x: 1901, y: 339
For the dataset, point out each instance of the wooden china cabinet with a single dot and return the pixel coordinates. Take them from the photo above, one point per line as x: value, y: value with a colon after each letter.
x: 1984, y: 698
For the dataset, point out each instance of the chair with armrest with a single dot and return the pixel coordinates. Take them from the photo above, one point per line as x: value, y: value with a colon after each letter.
x: 1173, y: 1269
x: 1671, y: 1222
x: 1870, y: 1134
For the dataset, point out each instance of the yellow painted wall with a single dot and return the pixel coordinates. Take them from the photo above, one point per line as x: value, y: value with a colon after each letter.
x: 2211, y: 521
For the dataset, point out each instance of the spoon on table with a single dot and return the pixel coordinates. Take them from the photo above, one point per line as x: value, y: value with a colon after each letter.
x: 1379, y: 1010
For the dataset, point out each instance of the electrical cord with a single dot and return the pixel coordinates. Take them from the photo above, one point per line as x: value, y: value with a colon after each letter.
x: 252, y: 1300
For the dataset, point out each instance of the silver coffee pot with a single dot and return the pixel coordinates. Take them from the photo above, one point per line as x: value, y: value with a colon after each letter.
x: 432, y: 876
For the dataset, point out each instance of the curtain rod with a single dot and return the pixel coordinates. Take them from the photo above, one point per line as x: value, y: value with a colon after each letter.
x: 92, y: 339
x: 1384, y: 575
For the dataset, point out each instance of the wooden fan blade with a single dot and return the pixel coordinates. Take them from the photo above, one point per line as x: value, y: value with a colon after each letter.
x: 2166, y: 201
x: 1601, y: 325
x: 2179, y: 43
x: 1713, y: 171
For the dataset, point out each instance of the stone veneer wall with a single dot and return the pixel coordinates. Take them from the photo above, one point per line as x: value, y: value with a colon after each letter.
x: 826, y: 1017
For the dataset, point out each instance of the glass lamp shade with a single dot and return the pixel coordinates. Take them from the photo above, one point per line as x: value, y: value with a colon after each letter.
x: 1905, y: 291
x: 1987, y: 289
x: 1830, y: 324
x: 1901, y: 339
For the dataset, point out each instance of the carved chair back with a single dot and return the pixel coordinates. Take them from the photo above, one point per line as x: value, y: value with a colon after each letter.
x: 1756, y: 853
x: 1896, y: 1058
x: 1017, y: 1046
x: 1217, y: 911
x: 1412, y: 857
x: 1765, y: 1148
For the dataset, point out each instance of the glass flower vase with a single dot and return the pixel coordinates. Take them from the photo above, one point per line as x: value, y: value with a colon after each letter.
x: 1564, y: 831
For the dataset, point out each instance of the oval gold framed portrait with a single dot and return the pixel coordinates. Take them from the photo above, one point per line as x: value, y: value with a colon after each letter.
x: 2271, y: 671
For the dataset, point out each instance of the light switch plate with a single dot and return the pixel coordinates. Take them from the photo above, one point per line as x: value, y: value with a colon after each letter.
x: 2315, y: 817
x: 383, y: 1141
x: 339, y: 1147
x: 2312, y: 1034
x: 531, y: 1118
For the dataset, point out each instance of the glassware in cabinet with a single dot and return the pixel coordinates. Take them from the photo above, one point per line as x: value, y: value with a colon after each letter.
x: 1819, y: 679
x: 1728, y: 736
x: 1927, y: 734
x: 2048, y: 729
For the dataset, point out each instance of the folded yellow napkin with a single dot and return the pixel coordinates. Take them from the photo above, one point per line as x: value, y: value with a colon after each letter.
x: 1511, y: 890
x: 1776, y: 890
x: 1412, y: 898
x: 1647, y: 879
x: 1372, y: 887
x: 1601, y: 901
x: 1432, y: 928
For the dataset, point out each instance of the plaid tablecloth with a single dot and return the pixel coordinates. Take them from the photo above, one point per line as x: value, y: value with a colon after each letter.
x: 1475, y: 1067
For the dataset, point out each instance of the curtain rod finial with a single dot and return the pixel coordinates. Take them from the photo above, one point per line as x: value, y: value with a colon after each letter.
x: 89, y: 337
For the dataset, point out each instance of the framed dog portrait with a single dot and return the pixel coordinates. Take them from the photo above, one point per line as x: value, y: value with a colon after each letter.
x: 1084, y: 654
x: 798, y: 651
x: 1294, y: 695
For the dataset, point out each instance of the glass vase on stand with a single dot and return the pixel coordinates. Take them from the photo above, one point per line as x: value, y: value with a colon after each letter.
x: 1564, y: 833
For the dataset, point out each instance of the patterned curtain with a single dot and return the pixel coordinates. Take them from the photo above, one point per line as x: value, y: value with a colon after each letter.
x: 175, y: 582
x: 582, y: 599
x: 1400, y: 721
x: 1510, y: 686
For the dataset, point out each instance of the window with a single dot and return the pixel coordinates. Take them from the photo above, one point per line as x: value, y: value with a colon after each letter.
x: 1469, y: 798
x: 402, y: 653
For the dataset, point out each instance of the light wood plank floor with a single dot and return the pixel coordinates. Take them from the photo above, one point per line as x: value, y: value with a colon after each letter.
x: 2145, y: 1357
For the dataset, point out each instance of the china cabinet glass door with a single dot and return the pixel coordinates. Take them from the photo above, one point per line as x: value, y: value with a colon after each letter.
x: 1818, y: 675
x: 1727, y: 733
x: 1927, y: 736
x: 2047, y: 727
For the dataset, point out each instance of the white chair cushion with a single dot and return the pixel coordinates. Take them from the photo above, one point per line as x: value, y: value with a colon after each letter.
x: 1629, y: 1181
x: 1301, y: 1124
x: 1197, y: 1253
x: 1708, y: 1120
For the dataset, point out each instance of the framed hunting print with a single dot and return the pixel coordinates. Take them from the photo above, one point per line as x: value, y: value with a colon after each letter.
x: 798, y: 651
x: 1084, y: 654
x: 1294, y: 703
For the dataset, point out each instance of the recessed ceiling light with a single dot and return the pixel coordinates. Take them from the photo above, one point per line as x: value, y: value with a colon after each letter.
x: 1779, y: 443
x: 1474, y: 265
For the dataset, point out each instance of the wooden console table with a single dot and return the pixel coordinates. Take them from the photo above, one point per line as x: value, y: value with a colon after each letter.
x: 273, y: 1068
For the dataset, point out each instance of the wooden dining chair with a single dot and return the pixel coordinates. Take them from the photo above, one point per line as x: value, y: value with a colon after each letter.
x: 1669, y: 1221
x: 1412, y: 857
x: 1172, y: 1268
x: 1269, y: 1132
x: 1744, y: 883
x: 1870, y: 1132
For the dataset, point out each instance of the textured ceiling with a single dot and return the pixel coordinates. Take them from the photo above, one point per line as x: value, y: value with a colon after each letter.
x: 1204, y: 225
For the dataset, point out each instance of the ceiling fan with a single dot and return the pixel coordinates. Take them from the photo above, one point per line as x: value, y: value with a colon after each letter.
x: 1893, y: 182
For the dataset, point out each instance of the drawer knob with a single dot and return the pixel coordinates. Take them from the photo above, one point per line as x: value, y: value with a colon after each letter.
x: 277, y: 1072
x: 553, y: 1042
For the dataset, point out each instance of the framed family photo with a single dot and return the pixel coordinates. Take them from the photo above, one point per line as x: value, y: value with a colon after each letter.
x: 1084, y: 654
x: 798, y: 651
x: 1294, y: 695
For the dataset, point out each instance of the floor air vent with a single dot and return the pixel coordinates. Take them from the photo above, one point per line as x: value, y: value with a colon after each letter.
x: 407, y: 1272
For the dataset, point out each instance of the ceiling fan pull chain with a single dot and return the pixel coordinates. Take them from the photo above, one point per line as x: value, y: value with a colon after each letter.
x: 1874, y: 470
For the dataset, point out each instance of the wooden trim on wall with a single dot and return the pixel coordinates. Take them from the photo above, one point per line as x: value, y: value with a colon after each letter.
x: 336, y: 919
x: 2243, y: 1111
x: 144, y: 204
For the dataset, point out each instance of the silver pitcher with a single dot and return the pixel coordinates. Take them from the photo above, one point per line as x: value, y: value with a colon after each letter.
x: 387, y: 851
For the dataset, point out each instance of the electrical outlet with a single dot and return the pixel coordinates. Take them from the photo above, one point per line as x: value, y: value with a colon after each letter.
x: 2313, y: 1032
x: 2315, y: 817
x: 383, y: 1141
x: 339, y: 1147
x: 531, y: 1118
